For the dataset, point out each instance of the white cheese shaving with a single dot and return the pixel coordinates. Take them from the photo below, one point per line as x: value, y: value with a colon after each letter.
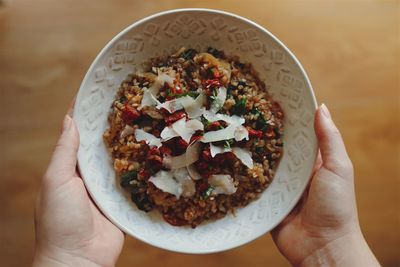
x: 171, y: 105
x: 177, y: 182
x: 187, y: 185
x: 241, y: 133
x: 189, y: 157
x: 222, y: 183
x: 161, y: 79
x: 186, y: 129
x: 214, y: 150
x: 235, y: 120
x: 128, y: 130
x: 194, y: 174
x: 219, y: 100
x: 219, y: 135
x: 174, y: 163
x: 164, y: 181
x: 244, y: 155
x: 150, y: 139
x: 168, y: 133
x: 148, y: 99
x: 193, y: 107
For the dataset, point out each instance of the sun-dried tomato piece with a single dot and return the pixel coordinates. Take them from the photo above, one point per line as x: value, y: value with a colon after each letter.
x: 254, y: 133
x: 154, y: 151
x: 182, y: 144
x: 143, y: 174
x: 174, y: 221
x: 165, y: 150
x: 154, y: 162
x: 130, y: 114
x: 171, y: 118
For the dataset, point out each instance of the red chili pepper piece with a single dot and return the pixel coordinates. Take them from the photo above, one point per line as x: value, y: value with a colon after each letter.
x: 154, y: 151
x: 177, y: 89
x: 195, y: 138
x: 206, y: 154
x: 174, y: 221
x: 171, y: 118
x: 254, y: 133
x: 144, y: 174
x: 201, y: 186
x: 214, y: 125
x: 211, y: 83
x: 130, y: 114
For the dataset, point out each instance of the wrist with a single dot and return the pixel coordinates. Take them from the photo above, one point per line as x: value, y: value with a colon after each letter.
x: 347, y: 250
x: 59, y: 258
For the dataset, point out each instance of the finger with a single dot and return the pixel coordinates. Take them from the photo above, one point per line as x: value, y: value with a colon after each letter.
x: 71, y: 107
x: 63, y: 162
x: 317, y: 164
x: 333, y: 151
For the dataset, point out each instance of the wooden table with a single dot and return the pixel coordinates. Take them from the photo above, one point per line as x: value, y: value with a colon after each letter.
x: 351, y: 51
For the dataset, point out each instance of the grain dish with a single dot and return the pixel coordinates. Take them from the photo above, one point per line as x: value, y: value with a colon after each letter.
x: 194, y: 136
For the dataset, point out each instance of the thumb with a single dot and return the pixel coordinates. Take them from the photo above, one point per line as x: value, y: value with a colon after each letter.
x: 63, y: 162
x: 333, y: 150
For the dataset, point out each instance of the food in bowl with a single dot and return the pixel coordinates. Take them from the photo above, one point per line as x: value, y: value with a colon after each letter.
x: 194, y: 136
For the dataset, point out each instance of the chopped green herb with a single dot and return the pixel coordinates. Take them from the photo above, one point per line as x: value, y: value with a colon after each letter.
x: 141, y: 200
x: 205, y: 122
x: 259, y: 149
x: 261, y: 123
x: 127, y: 177
x: 214, y: 52
x: 228, y: 143
x: 229, y: 90
x: 240, y: 107
x: 188, y: 54
x: 207, y: 193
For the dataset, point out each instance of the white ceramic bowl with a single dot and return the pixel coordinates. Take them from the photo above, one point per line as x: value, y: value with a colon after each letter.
x: 163, y: 34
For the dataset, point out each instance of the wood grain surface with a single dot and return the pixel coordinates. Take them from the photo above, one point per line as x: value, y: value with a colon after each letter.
x: 350, y: 49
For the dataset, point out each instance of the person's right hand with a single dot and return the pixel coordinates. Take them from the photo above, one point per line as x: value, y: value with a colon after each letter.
x: 324, y: 228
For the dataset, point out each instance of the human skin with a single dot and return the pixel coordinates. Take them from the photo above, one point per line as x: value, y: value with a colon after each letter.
x: 322, y: 230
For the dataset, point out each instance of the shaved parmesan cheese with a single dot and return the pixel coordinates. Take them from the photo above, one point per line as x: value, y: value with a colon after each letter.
x: 214, y: 150
x: 219, y: 100
x: 174, y: 163
x: 177, y: 182
x: 164, y: 181
x: 194, y: 108
x: 186, y: 183
x: 168, y: 133
x: 171, y: 105
x: 241, y: 133
x: 244, y: 156
x: 186, y: 129
x: 128, y: 130
x: 219, y: 135
x: 235, y: 120
x: 150, y: 139
x: 222, y: 183
x: 148, y: 99
x: 192, y: 153
x: 161, y: 79
x: 194, y: 174
x: 189, y: 157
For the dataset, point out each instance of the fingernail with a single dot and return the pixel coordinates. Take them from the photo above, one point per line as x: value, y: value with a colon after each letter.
x: 67, y: 123
x: 325, y: 111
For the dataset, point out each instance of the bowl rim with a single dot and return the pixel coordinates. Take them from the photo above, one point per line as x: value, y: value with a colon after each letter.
x: 181, y: 10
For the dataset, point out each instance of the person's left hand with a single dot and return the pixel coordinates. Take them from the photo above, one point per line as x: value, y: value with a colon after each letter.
x: 70, y: 230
